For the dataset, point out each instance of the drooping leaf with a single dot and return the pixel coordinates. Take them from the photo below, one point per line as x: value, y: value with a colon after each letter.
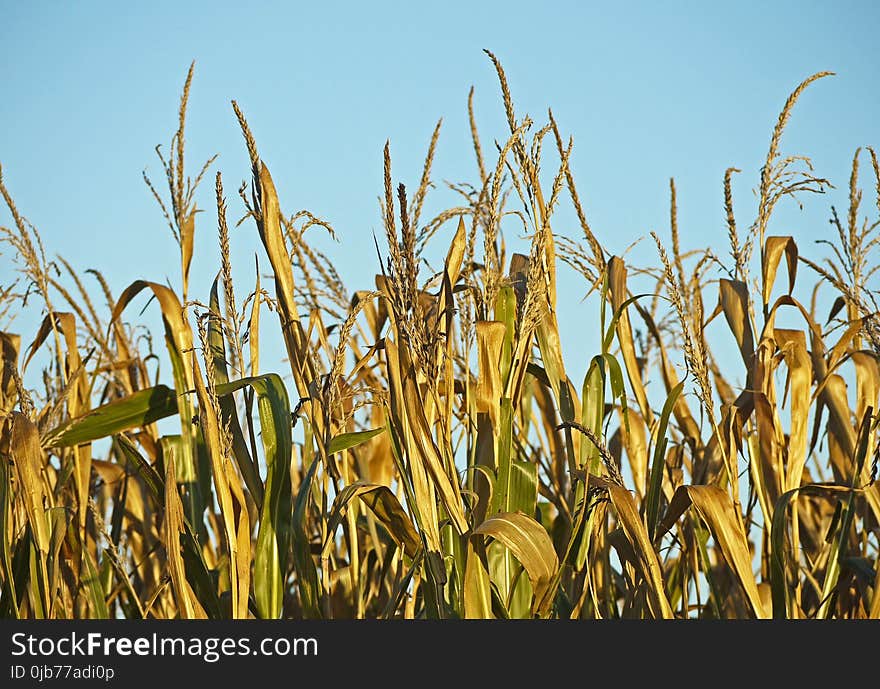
x: 774, y: 247
x: 385, y: 506
x: 716, y: 508
x: 530, y: 544
x: 135, y: 411
x: 632, y: 524
x: 734, y: 299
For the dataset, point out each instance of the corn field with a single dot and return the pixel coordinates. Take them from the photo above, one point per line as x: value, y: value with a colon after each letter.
x: 426, y: 455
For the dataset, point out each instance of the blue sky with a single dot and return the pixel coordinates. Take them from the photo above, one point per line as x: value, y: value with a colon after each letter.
x: 648, y: 90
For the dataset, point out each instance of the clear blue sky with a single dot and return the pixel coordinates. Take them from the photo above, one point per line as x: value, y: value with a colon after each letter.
x: 649, y: 91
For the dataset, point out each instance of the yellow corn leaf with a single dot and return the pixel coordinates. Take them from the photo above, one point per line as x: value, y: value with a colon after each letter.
x: 222, y: 474
x: 774, y: 247
x: 243, y: 557
x: 734, y: 298
x: 425, y: 506
x: 254, y: 329
x: 490, y: 338
x: 187, y: 237
x: 670, y: 378
x: 793, y: 344
x: 447, y: 486
x: 718, y: 511
x: 834, y: 396
x: 273, y: 240
x: 179, y: 341
x: 269, y: 227
x: 635, y: 440
x: 631, y: 521
x: 771, y: 444
x: 455, y: 255
x: 28, y: 458
x: 843, y: 344
x: 617, y: 284
x: 77, y: 398
x: 387, y: 509
x: 477, y: 593
x: 177, y: 331
x: 530, y: 544
x: 867, y: 381
x: 172, y: 527
x: 9, y: 348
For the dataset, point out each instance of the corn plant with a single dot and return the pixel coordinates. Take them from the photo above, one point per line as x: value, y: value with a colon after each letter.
x: 425, y: 454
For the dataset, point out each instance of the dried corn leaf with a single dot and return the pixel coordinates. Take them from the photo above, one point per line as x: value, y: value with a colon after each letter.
x: 774, y: 247
x: 631, y: 521
x: 716, y: 508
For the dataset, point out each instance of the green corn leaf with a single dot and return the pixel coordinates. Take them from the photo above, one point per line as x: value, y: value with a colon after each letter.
x: 655, y: 485
x: 346, y: 441
x: 135, y: 411
x: 276, y: 514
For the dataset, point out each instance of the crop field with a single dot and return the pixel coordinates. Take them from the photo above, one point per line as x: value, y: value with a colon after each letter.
x: 423, y: 453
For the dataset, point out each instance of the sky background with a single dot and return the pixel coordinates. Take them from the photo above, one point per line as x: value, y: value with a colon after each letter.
x: 648, y: 90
